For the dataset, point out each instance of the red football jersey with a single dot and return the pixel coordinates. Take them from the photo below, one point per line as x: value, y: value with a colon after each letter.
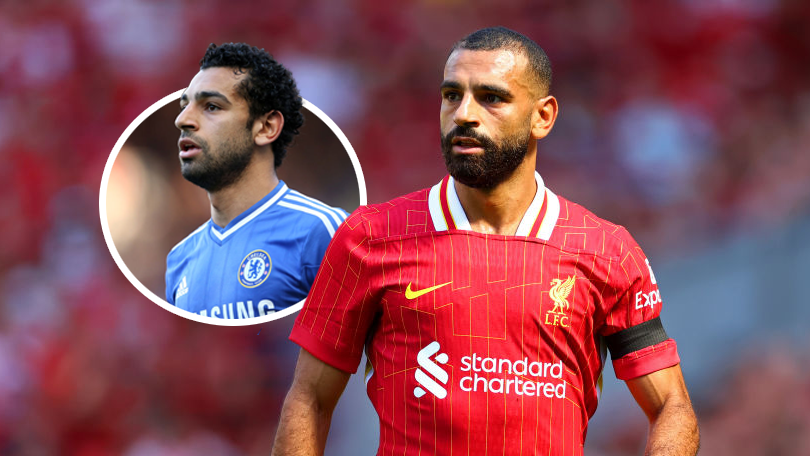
x: 480, y: 343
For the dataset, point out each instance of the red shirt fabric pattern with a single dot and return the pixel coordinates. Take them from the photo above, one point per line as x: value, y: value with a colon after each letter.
x: 481, y: 343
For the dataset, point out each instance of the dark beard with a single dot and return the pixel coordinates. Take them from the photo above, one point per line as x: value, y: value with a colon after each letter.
x: 215, y: 172
x: 489, y: 169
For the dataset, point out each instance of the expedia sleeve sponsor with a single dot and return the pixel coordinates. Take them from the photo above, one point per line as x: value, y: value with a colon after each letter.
x: 633, y: 330
x: 634, y: 297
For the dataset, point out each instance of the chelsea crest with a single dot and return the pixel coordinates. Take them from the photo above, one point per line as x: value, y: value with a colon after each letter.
x: 254, y: 269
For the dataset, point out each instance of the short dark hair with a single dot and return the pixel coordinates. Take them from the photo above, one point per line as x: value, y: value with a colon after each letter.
x: 494, y: 38
x: 268, y: 86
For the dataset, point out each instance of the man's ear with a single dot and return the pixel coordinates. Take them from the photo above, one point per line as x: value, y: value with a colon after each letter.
x: 543, y: 116
x: 267, y: 127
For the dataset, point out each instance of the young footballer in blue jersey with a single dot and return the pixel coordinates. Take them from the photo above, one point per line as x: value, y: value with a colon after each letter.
x: 261, y: 248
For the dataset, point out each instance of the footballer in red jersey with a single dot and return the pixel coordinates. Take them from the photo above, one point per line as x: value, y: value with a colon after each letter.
x: 486, y: 303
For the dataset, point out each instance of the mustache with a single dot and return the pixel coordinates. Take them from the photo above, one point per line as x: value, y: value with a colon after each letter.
x: 200, y: 142
x: 468, y: 132
x: 186, y: 134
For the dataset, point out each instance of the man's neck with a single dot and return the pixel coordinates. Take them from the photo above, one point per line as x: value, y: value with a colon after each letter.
x: 500, y: 210
x: 258, y: 180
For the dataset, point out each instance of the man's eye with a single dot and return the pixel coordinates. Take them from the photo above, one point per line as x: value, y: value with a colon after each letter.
x: 490, y: 98
x: 211, y: 107
x: 182, y: 107
x: 452, y: 96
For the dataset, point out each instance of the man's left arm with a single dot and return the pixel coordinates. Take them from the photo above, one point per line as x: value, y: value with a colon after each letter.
x: 663, y: 397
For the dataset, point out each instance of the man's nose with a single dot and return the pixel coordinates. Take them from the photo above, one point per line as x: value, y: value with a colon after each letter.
x: 467, y: 112
x: 186, y: 120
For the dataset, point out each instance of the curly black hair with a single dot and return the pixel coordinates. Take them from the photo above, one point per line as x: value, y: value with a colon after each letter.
x: 268, y: 86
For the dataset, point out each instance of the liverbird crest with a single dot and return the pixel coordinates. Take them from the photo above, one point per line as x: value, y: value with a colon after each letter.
x: 559, y: 293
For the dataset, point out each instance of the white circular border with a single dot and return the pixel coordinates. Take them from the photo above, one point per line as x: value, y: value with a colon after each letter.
x: 105, y: 227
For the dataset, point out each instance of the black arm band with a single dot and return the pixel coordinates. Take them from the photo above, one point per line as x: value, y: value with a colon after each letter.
x: 635, y: 338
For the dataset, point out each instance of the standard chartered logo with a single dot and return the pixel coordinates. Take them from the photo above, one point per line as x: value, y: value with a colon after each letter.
x: 490, y: 375
x: 426, y: 382
x: 521, y: 377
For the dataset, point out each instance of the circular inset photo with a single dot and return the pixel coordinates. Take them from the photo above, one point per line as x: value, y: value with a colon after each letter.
x: 218, y: 205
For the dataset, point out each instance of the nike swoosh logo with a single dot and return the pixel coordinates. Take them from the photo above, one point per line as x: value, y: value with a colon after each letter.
x: 413, y: 294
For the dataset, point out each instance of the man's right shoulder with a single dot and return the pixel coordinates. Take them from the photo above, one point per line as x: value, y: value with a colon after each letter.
x: 189, y: 242
x: 406, y: 215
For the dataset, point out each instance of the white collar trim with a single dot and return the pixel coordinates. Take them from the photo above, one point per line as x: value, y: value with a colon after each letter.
x: 459, y: 217
x: 251, y: 216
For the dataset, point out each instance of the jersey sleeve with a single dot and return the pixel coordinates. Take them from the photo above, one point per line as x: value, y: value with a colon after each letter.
x: 342, y: 304
x: 633, y: 331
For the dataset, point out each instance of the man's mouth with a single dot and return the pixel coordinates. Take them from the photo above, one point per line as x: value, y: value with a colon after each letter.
x: 465, y: 144
x: 188, y: 148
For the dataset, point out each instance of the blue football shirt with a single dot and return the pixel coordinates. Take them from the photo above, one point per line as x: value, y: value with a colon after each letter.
x: 265, y: 260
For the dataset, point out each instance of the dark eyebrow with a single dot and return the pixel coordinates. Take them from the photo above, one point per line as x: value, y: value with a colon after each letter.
x: 499, y: 91
x: 206, y: 94
x: 489, y: 88
x: 211, y: 94
x: 450, y: 85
